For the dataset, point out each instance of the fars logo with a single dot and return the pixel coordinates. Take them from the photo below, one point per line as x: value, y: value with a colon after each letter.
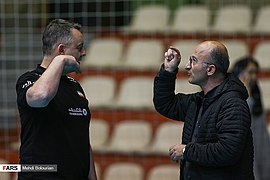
x: 10, y: 168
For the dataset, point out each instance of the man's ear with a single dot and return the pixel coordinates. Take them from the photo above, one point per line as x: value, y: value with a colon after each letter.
x: 211, y: 69
x: 61, y: 49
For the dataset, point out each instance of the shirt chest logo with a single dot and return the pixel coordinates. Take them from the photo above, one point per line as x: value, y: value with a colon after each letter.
x: 77, y: 111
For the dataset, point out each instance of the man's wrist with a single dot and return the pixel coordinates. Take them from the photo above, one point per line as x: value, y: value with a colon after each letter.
x: 182, y: 156
x: 183, y: 150
x: 171, y: 70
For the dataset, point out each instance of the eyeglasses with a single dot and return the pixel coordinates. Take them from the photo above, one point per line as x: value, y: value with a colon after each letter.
x: 193, y: 61
x: 80, y: 47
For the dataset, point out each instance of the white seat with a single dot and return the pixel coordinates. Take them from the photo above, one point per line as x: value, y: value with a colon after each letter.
x: 265, y: 92
x: 164, y: 172
x: 186, y: 47
x: 15, y: 146
x: 123, y: 171
x: 99, y: 134
x: 268, y: 128
x: 191, y: 19
x: 14, y: 176
x: 99, y: 90
x: 233, y: 19
x: 98, y: 170
x: 103, y: 53
x: 237, y: 49
x: 149, y: 19
x: 167, y: 134
x: 143, y: 54
x: 183, y: 86
x: 262, y: 54
x: 4, y: 175
x: 135, y: 93
x: 261, y: 24
x: 130, y: 136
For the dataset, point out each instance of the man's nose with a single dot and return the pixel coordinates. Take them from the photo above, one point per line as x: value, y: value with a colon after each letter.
x: 188, y: 66
x: 83, y: 52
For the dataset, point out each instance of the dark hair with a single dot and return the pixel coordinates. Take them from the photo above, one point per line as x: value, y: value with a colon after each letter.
x: 56, y: 32
x: 220, y: 58
x: 242, y: 64
x: 239, y: 67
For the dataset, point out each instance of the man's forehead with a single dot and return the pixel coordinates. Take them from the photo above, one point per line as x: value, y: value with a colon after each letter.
x: 76, y: 31
x: 77, y: 34
x: 204, y: 48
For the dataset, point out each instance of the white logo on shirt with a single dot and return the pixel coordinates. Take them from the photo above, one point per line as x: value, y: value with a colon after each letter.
x: 77, y: 111
x: 28, y: 83
x: 71, y: 79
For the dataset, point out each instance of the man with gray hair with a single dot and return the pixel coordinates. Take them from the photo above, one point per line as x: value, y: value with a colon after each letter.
x: 53, y: 109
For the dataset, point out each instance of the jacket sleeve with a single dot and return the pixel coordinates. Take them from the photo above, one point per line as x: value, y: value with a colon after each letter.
x: 233, y: 134
x: 165, y: 100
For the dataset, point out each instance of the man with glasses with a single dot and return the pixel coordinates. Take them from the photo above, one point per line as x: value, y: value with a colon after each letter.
x: 217, y: 139
x: 54, y: 111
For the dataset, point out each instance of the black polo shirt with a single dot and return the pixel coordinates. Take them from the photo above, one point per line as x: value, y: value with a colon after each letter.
x: 56, y: 134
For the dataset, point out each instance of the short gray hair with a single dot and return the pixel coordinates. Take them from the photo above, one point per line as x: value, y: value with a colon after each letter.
x: 56, y: 32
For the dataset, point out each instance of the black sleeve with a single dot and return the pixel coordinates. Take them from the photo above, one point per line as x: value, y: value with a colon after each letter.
x: 23, y: 84
x: 166, y: 102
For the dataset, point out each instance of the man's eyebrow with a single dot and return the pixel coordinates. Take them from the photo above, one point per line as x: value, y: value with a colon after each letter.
x: 79, y: 46
x: 193, y: 58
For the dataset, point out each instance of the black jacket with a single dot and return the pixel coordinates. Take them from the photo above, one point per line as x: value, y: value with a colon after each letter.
x: 223, y: 147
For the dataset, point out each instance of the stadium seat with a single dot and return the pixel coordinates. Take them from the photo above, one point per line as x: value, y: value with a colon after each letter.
x: 237, y: 49
x: 164, y: 172
x: 98, y: 170
x: 143, y: 54
x: 103, y: 53
x: 190, y: 19
x: 4, y: 175
x: 99, y: 90
x: 268, y: 128
x: 14, y: 176
x: 15, y: 146
x: 183, y: 86
x: 167, y: 135
x: 124, y: 171
x: 233, y: 19
x: 261, y: 24
x: 149, y: 19
x: 99, y: 134
x: 265, y: 91
x: 262, y: 54
x: 130, y: 136
x: 135, y: 93
x: 186, y: 48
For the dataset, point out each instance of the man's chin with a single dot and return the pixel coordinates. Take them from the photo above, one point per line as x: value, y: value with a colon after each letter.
x: 190, y: 80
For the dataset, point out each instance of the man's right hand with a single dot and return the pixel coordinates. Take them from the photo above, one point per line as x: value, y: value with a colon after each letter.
x: 172, y: 59
x: 70, y: 64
